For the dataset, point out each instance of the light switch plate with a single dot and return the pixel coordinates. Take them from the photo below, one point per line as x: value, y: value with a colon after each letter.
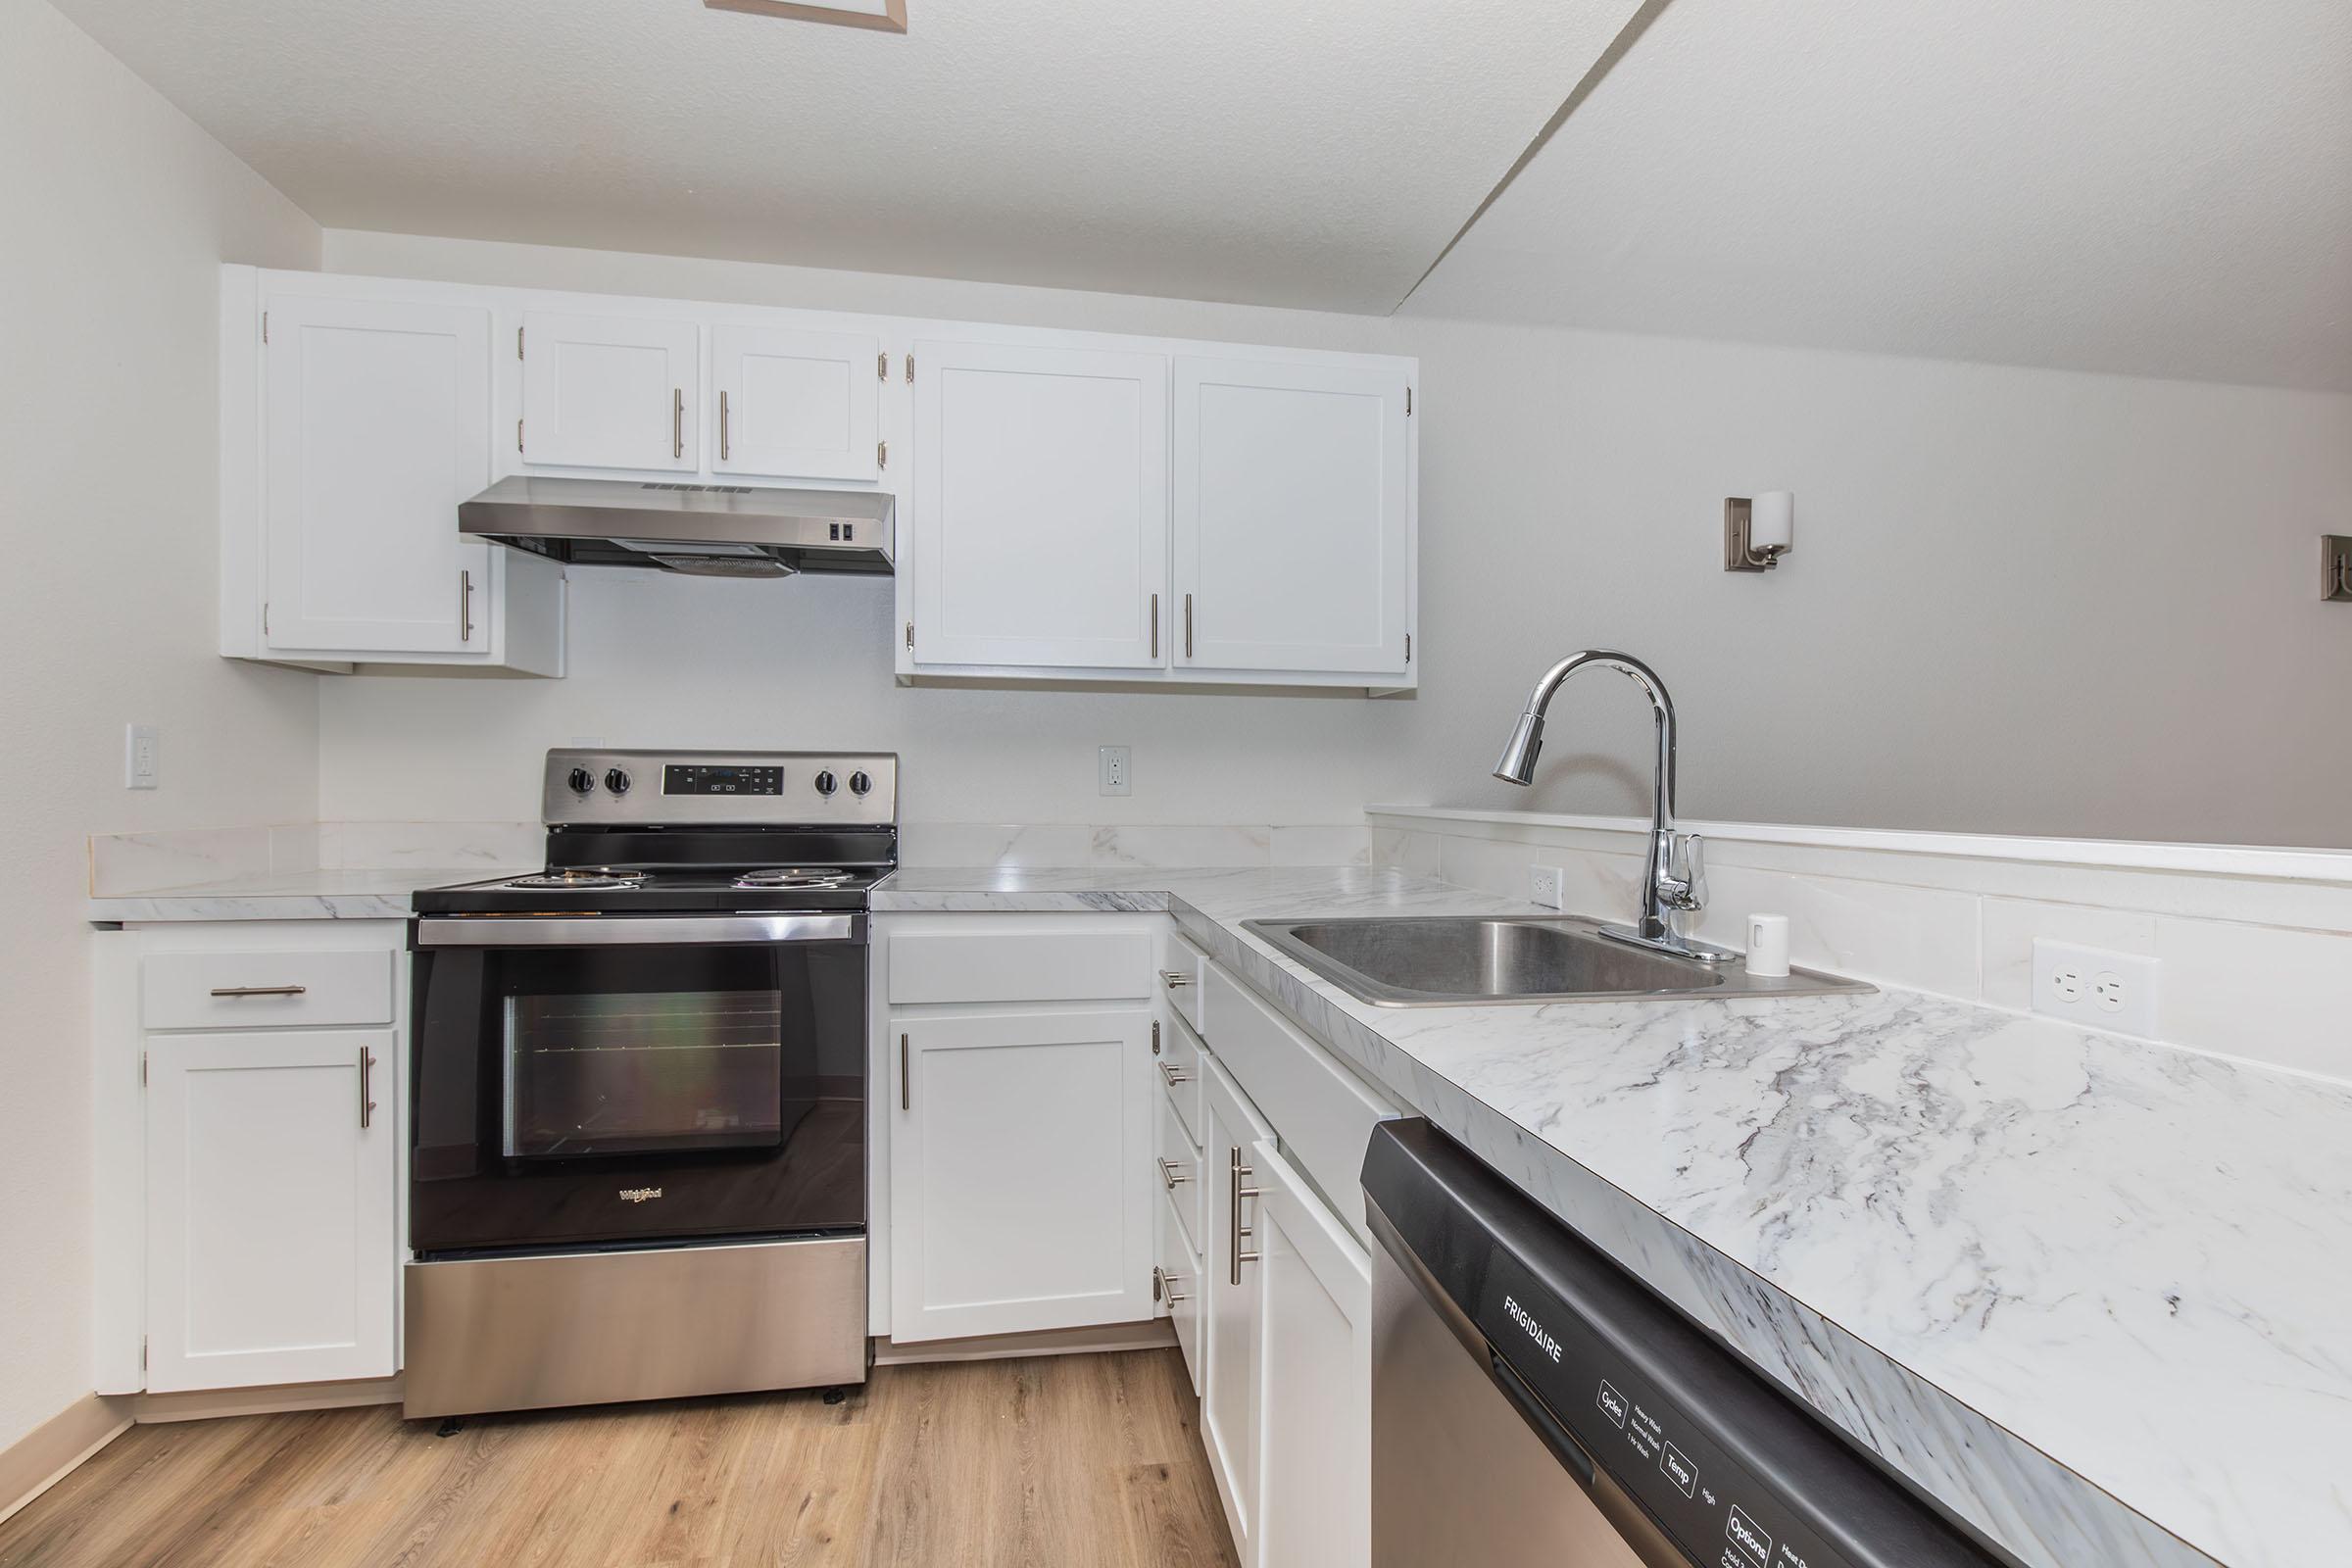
x: 2095, y: 988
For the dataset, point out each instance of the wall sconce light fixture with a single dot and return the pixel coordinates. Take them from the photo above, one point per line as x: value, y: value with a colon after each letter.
x: 1757, y: 531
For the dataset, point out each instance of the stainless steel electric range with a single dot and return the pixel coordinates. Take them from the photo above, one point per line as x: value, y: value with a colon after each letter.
x: 637, y: 1153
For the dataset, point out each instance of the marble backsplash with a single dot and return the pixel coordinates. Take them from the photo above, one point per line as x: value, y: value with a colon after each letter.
x: 2255, y: 946
x: 127, y: 865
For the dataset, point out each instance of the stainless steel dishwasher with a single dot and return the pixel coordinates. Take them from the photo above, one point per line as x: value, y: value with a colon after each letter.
x: 1532, y: 1404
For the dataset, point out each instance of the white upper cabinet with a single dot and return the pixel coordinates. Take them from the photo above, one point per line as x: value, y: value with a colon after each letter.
x: 790, y: 404
x: 1293, y: 517
x: 1040, y: 510
x: 376, y: 425
x: 611, y: 391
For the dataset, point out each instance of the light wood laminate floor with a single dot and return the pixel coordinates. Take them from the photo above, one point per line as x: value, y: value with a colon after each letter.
x: 1074, y: 1461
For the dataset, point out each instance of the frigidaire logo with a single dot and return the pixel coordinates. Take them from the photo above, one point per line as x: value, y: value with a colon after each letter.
x: 638, y: 1195
x: 1535, y: 1330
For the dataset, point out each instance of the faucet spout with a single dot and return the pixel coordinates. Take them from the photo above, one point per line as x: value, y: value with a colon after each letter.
x: 1672, y: 882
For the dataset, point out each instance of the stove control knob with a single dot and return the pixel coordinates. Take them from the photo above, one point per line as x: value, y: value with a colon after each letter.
x: 860, y: 783
x: 826, y: 784
x: 582, y: 782
x: 618, y: 781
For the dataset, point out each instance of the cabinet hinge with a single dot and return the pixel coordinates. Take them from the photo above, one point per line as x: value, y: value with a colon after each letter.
x: 882, y: 366
x: 1408, y: 646
x: 881, y: 454
x: 1408, y: 402
x: 911, y: 635
x: 265, y: 326
x: 518, y: 435
x: 519, y: 342
x: 910, y: 369
x: 265, y: 618
x: 1156, y: 1037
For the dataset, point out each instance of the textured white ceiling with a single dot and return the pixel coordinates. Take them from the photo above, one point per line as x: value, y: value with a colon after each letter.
x: 1295, y: 152
x: 2150, y: 186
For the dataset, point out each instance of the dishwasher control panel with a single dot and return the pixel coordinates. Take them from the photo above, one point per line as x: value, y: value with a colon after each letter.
x: 1729, y: 1466
x: 1712, y: 1507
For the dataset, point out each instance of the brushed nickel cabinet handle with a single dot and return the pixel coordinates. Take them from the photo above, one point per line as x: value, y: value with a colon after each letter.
x: 1187, y: 625
x: 259, y: 991
x: 465, y: 607
x: 906, y: 1084
x: 1168, y: 1071
x: 1163, y: 1285
x: 722, y: 425
x: 1174, y: 979
x: 1235, y: 1229
x: 366, y: 1088
x: 677, y: 421
x: 1170, y: 1177
x: 1156, y: 625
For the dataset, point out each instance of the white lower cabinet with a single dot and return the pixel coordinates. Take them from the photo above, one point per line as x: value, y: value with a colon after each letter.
x: 272, y: 1252
x: 1230, y: 1385
x: 1020, y: 1188
x: 1314, y: 1377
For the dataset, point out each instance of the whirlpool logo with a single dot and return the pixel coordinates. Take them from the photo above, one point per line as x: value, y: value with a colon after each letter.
x: 1535, y: 1330
x: 639, y: 1195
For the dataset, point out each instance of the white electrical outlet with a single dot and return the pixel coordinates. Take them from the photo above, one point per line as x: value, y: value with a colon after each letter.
x: 1112, y: 765
x: 141, y: 760
x: 2089, y: 986
x: 1544, y: 884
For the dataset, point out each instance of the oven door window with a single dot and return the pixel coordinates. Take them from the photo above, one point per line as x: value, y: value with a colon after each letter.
x: 645, y: 1051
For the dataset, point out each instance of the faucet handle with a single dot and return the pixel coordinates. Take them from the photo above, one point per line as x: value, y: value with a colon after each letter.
x: 1687, y: 869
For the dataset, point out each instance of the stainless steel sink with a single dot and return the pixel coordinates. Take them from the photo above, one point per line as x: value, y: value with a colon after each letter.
x: 1472, y: 961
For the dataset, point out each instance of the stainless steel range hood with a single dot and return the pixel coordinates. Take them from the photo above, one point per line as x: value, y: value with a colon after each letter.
x: 712, y: 531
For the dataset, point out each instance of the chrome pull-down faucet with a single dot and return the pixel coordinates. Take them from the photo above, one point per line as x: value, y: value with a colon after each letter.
x: 1674, y: 878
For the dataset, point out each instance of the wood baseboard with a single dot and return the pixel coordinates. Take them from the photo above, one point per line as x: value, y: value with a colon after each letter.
x: 1150, y: 1335
x: 205, y: 1405
x: 50, y: 1451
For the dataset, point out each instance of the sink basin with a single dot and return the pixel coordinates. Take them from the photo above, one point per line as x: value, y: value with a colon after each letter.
x: 1473, y: 960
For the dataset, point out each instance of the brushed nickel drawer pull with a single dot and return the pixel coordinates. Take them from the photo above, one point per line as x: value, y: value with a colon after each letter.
x: 677, y: 421
x: 1187, y: 625
x: 1174, y: 979
x: 367, y: 1088
x: 1171, y: 1077
x: 1156, y: 625
x: 1170, y: 1177
x: 1163, y: 1285
x: 259, y: 991
x: 906, y: 1084
x: 722, y: 425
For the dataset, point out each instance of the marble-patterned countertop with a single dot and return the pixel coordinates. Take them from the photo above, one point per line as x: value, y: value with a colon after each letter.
x: 2090, y: 1294
x: 381, y: 895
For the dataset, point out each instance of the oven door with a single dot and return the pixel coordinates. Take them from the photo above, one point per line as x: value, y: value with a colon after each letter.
x: 582, y: 1080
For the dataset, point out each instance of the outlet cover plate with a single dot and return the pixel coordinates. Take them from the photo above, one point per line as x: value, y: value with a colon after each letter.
x: 1544, y: 884
x: 2095, y: 987
x: 1114, y: 771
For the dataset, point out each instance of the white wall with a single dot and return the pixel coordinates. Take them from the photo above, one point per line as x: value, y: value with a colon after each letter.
x: 2021, y: 602
x: 119, y: 211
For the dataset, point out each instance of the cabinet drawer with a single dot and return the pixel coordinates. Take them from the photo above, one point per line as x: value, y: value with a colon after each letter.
x: 978, y: 966
x: 1179, y: 1070
x: 1176, y: 1286
x: 1323, y: 1112
x: 1181, y: 969
x: 1177, y: 1169
x: 265, y: 990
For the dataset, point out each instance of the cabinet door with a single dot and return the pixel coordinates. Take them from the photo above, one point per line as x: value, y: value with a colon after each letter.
x: 271, y: 1191
x: 1230, y: 1305
x: 376, y: 426
x: 1041, y: 506
x: 797, y: 405
x: 1314, y: 1363
x: 609, y: 392
x: 1293, y: 517
x: 1020, y: 1173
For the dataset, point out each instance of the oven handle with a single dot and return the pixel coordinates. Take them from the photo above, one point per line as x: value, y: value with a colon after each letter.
x: 624, y: 931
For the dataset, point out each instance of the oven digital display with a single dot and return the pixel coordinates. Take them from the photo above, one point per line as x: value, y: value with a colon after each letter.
x: 705, y: 779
